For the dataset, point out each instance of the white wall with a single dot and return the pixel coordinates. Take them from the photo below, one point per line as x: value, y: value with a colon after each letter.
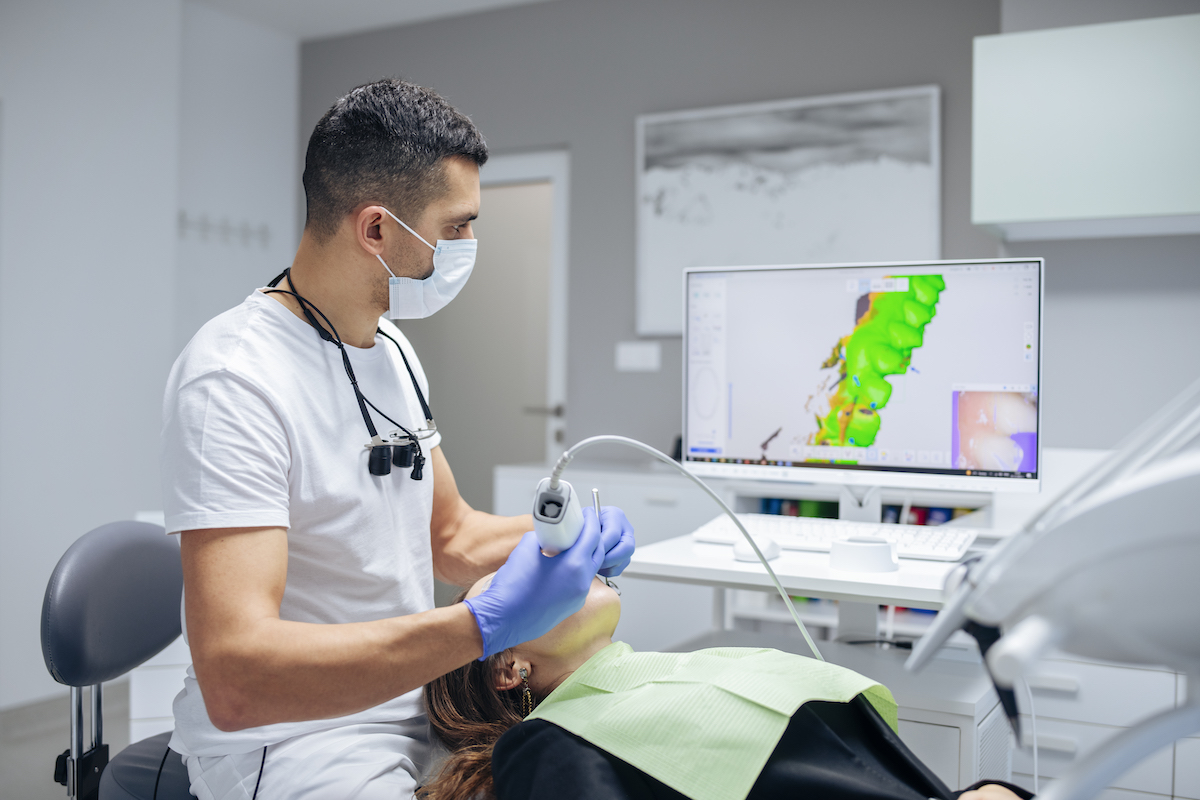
x: 237, y: 169
x: 89, y: 93
x: 115, y: 117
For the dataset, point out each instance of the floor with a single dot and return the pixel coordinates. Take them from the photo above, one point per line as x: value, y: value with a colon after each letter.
x: 32, y: 736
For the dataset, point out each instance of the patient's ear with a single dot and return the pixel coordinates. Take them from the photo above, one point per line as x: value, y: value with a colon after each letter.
x: 507, y: 673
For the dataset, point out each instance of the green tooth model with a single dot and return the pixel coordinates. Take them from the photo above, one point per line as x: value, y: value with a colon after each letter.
x: 881, y: 344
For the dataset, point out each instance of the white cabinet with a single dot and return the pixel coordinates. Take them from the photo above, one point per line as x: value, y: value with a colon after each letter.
x: 1088, y: 131
x: 152, y: 690
x: 1187, y: 768
x: 1081, y: 704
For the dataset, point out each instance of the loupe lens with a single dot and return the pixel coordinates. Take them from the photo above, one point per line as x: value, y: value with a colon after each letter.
x: 402, y: 455
x: 381, y: 460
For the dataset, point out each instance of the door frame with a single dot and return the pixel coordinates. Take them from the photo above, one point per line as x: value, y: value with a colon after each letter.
x: 553, y: 166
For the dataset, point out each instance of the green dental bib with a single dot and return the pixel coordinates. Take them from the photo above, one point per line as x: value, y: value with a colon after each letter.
x: 703, y: 723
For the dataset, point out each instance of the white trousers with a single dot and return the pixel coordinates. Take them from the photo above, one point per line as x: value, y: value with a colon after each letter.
x: 364, y: 762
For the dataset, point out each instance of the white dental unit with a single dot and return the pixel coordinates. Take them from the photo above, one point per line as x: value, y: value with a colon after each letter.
x: 1126, y: 529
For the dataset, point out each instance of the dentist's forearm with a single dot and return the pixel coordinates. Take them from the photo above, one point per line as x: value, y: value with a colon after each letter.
x: 271, y: 670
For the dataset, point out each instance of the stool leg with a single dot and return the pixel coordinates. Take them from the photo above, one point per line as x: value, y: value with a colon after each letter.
x: 97, y: 716
x: 76, y: 739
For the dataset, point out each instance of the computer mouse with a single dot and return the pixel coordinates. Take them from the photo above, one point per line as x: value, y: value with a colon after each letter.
x: 742, y: 551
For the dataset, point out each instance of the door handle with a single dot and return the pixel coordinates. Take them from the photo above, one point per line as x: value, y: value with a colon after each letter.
x: 660, y: 500
x: 1066, y: 684
x: 545, y: 411
x: 1063, y: 745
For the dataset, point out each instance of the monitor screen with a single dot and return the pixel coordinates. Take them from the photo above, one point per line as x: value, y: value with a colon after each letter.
x: 910, y: 375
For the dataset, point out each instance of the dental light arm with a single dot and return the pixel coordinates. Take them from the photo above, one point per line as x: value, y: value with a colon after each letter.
x: 558, y: 515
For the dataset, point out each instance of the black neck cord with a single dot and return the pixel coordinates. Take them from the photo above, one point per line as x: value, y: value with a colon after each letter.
x: 258, y: 782
x: 331, y: 335
x: 420, y: 397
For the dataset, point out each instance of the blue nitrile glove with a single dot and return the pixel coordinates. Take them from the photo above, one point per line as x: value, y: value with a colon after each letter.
x: 531, y: 593
x: 617, y: 535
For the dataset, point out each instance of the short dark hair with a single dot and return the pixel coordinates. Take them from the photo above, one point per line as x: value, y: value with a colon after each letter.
x: 385, y: 142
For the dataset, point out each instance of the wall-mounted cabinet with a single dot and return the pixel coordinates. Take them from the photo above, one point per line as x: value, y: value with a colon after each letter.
x: 1088, y: 132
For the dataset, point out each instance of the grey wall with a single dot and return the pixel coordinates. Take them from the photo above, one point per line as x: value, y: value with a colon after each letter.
x: 1121, y: 328
x: 575, y: 74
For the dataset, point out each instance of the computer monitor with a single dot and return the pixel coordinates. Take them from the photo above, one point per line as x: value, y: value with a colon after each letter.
x: 912, y: 375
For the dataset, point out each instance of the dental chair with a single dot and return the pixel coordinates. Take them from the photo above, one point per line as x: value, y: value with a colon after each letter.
x: 111, y: 604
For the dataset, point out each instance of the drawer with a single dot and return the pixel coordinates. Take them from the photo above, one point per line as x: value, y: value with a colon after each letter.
x: 1187, y: 768
x: 1026, y: 782
x: 937, y: 746
x: 1098, y: 693
x: 152, y: 690
x: 1063, y: 744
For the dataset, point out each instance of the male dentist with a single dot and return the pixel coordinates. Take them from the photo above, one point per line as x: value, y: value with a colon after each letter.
x: 309, y: 558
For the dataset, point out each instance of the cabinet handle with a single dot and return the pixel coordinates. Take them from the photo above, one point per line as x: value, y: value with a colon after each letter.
x: 1054, y: 683
x: 1052, y: 744
x: 662, y: 501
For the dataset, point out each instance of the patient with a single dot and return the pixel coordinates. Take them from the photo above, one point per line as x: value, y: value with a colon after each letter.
x: 827, y: 749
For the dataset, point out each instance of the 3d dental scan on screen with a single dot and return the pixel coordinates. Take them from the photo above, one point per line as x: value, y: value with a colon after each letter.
x: 913, y: 374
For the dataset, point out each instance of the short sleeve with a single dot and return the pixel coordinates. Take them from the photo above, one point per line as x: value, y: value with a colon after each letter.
x: 225, y: 457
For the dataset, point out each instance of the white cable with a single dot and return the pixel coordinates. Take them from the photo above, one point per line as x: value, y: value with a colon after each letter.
x: 1033, y: 730
x: 645, y: 448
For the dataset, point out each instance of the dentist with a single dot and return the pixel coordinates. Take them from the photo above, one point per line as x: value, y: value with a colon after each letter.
x: 302, y: 469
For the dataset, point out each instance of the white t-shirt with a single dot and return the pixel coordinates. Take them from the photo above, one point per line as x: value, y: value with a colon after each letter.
x: 261, y: 428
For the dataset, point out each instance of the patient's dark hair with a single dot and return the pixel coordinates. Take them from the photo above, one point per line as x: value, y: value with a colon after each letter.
x: 384, y: 142
x: 469, y: 714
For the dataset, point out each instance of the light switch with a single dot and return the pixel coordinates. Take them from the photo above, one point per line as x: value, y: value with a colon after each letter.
x: 639, y: 356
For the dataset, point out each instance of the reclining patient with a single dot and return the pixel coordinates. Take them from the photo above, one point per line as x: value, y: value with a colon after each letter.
x: 575, y: 715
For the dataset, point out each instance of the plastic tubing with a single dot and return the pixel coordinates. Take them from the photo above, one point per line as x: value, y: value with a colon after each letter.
x: 571, y: 452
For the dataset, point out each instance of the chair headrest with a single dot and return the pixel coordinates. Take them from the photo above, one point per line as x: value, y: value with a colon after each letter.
x: 111, y: 603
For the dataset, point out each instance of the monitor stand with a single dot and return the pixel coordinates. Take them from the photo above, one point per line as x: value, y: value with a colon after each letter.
x: 859, y: 621
x: 866, y: 506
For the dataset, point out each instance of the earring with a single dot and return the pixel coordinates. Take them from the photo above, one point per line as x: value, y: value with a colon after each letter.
x: 526, y: 695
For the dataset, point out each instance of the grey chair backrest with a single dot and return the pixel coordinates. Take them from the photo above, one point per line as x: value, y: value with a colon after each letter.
x: 111, y: 603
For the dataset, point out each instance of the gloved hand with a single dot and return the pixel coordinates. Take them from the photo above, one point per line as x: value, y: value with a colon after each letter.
x: 617, y: 535
x: 531, y: 593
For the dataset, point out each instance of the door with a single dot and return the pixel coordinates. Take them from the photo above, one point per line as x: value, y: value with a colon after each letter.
x: 495, y: 356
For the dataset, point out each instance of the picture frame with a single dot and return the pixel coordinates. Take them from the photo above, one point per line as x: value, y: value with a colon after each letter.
x: 845, y: 177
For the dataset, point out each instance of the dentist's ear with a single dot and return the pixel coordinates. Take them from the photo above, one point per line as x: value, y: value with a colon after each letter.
x: 508, y: 671
x: 367, y: 222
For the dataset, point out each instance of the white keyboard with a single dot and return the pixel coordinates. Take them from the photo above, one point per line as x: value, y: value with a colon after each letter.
x: 929, y: 542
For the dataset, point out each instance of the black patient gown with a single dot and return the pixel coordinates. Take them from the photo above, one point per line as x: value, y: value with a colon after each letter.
x: 830, y: 751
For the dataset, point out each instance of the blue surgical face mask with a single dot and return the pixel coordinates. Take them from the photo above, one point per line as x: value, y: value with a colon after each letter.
x: 453, y: 260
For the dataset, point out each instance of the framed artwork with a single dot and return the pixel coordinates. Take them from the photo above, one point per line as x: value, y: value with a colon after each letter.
x: 849, y: 177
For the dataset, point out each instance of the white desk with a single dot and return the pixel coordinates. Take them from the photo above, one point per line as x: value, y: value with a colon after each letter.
x: 917, y: 584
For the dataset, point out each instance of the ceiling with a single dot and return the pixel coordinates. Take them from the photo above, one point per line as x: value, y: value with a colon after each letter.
x: 320, y: 19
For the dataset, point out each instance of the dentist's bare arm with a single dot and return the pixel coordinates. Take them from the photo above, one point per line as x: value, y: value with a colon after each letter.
x: 255, y: 669
x: 467, y: 544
